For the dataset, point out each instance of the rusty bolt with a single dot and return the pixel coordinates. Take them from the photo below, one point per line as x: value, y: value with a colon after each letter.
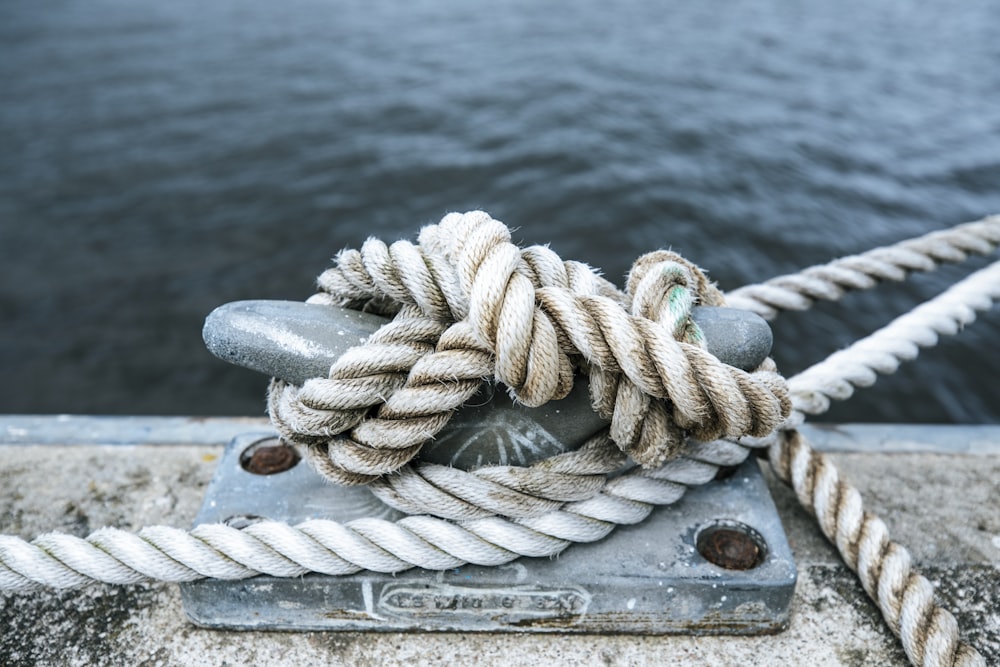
x: 261, y: 458
x: 730, y: 547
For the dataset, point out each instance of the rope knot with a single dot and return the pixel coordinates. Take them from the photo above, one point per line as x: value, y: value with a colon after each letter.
x: 469, y: 305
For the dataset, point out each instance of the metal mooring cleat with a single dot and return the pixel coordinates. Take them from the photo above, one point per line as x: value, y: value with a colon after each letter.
x: 716, y: 562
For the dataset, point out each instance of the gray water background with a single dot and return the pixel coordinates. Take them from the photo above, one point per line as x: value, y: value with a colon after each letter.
x: 160, y: 159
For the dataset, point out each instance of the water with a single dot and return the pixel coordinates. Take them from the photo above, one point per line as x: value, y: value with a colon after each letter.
x: 160, y: 159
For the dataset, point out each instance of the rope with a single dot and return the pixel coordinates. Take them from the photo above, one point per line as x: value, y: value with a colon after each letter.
x: 881, y: 352
x: 267, y: 547
x: 494, y: 515
x: 529, y: 320
x: 510, y: 491
x: 929, y: 633
x: 829, y: 282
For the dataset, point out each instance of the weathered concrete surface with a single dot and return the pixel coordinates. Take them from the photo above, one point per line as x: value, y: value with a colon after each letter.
x: 943, y: 507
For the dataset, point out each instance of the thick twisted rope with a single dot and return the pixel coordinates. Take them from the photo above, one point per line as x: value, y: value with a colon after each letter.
x: 928, y: 632
x: 528, y: 319
x: 517, y: 492
x: 219, y: 551
x: 882, y: 352
x: 829, y: 282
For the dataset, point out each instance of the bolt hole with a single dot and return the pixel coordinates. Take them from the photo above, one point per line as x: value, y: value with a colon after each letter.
x: 268, y: 457
x: 731, y: 545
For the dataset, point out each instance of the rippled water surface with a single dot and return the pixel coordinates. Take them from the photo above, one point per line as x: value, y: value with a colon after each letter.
x: 160, y: 159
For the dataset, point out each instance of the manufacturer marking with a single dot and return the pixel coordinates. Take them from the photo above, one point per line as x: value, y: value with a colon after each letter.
x: 503, y: 605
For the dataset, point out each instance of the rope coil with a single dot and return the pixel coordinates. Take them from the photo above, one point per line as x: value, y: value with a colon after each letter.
x: 530, y: 320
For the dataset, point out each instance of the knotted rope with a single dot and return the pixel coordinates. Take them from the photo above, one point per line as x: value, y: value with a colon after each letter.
x: 539, y: 510
x: 470, y: 304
